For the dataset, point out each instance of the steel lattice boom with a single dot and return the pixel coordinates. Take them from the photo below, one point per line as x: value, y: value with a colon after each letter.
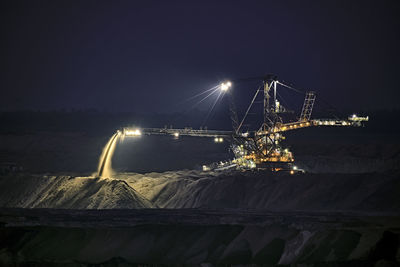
x: 260, y: 148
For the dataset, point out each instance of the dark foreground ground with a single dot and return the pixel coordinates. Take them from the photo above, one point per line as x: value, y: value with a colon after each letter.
x: 51, y: 237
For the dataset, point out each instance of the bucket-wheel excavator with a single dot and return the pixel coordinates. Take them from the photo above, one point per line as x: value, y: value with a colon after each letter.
x: 261, y: 148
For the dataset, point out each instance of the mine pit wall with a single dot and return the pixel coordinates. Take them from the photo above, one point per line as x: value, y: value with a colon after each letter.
x: 190, y: 244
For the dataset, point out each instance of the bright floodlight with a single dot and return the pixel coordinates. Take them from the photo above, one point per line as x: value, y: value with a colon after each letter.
x: 225, y: 86
x: 134, y: 132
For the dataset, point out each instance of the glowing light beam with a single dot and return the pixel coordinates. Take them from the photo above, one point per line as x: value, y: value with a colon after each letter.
x: 202, y: 93
x: 204, y: 98
x: 215, y: 102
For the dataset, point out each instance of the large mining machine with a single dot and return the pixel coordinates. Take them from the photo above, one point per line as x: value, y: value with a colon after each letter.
x: 261, y: 148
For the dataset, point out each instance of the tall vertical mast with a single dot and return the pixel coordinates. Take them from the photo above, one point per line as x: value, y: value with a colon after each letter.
x: 266, y: 104
x: 274, y: 96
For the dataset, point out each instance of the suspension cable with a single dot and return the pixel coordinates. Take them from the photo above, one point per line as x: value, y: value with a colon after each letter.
x: 248, y: 109
x: 290, y: 87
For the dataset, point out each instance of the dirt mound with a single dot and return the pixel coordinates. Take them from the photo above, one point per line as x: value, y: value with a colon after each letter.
x: 68, y: 192
x: 372, y: 192
x: 258, y: 190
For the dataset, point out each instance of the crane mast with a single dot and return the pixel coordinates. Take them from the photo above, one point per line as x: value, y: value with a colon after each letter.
x: 260, y: 148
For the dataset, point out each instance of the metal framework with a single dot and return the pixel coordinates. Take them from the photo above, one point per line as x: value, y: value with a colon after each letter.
x: 261, y: 148
x: 307, y: 106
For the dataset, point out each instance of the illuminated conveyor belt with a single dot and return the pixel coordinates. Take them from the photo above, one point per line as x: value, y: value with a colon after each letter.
x: 279, y: 127
x: 282, y: 127
x: 176, y: 132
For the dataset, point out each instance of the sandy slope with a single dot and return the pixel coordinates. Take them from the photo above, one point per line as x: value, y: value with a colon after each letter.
x: 191, y: 189
x: 196, y: 189
x: 68, y: 192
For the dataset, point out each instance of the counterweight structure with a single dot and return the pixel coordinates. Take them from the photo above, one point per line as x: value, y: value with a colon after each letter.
x: 260, y: 149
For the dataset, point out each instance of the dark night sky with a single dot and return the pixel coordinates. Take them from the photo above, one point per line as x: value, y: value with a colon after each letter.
x: 148, y: 56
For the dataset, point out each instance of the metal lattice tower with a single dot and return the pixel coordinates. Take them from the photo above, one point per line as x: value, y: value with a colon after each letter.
x: 307, y: 106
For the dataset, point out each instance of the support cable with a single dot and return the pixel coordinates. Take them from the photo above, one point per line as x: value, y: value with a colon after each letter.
x: 248, y: 109
x: 290, y: 87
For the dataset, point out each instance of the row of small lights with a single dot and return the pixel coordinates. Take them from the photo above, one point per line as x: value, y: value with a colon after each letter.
x: 137, y: 132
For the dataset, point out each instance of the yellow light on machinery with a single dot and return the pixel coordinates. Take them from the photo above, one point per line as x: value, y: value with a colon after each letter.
x: 176, y: 134
x: 135, y: 132
x: 354, y: 117
x: 206, y: 168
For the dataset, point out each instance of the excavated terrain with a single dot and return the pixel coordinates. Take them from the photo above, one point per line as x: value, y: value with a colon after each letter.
x: 160, y: 208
